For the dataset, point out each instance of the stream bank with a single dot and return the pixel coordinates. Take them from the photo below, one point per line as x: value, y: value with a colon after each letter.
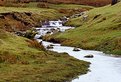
x: 103, y: 68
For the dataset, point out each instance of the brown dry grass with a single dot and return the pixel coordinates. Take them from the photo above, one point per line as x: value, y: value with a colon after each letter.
x: 84, y: 2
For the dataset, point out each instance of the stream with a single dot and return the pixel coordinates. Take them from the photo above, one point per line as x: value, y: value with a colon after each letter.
x: 103, y: 68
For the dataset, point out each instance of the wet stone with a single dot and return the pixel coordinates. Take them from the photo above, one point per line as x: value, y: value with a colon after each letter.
x: 76, y: 49
x: 89, y: 56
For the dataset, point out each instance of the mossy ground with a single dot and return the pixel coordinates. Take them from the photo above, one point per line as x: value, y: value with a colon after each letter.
x: 101, y: 30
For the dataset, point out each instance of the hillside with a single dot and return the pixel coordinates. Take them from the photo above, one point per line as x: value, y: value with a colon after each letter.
x: 23, y: 18
x: 16, y: 19
x: 82, y: 2
x: 101, y: 30
x: 24, y: 60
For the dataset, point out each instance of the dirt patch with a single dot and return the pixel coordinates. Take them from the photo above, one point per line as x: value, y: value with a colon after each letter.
x: 16, y: 21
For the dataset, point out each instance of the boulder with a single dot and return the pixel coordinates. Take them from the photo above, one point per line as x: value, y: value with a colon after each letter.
x: 40, y: 42
x: 89, y: 56
x: 49, y: 47
x: 76, y: 49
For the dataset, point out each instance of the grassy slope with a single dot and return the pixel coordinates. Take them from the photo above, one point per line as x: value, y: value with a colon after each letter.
x: 37, y: 14
x: 102, y: 33
x: 45, y: 12
x: 24, y: 61
x: 69, y: 6
x: 25, y: 22
x: 58, y: 6
x: 65, y: 9
x: 84, y: 2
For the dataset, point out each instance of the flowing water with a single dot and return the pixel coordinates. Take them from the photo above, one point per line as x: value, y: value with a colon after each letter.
x: 103, y: 68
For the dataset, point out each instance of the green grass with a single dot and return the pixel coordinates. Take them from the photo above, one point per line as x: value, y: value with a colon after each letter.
x: 53, y: 12
x: 36, y: 16
x: 42, y: 13
x: 23, y: 60
x: 69, y: 6
x: 59, y: 6
x: 102, y: 33
x: 31, y: 4
x: 20, y: 9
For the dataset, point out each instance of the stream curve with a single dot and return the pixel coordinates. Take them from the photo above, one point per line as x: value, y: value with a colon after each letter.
x: 103, y: 68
